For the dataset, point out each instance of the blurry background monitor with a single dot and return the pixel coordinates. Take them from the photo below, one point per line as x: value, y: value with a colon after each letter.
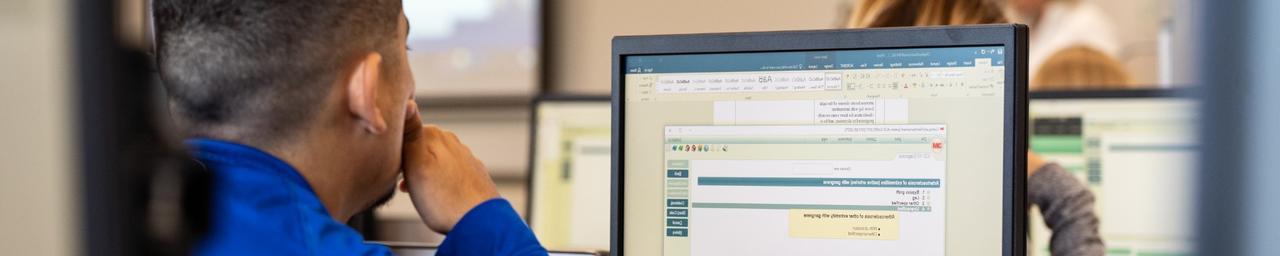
x: 474, y: 48
x: 1136, y: 151
x: 569, y: 172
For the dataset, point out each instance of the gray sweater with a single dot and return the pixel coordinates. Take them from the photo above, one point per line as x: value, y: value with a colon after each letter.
x: 1067, y: 206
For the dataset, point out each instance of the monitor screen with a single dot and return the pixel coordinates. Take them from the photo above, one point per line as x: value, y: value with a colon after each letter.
x: 569, y: 176
x: 1136, y: 154
x: 869, y: 151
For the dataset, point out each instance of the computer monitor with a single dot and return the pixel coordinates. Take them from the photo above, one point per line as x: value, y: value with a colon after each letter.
x: 569, y: 172
x: 897, y: 141
x: 1136, y: 150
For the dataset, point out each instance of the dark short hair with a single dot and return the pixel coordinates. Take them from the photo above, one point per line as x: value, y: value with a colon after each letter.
x: 263, y: 66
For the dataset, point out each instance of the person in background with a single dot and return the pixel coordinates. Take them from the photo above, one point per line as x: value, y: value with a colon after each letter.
x: 1067, y: 205
x: 876, y: 13
x: 303, y: 110
x: 1060, y: 24
x: 1081, y: 68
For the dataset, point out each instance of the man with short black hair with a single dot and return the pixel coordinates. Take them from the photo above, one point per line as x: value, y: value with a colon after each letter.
x: 304, y: 111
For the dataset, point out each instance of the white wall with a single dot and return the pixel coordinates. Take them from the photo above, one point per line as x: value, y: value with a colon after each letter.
x: 1137, y: 23
x: 584, y: 28
x: 37, y: 185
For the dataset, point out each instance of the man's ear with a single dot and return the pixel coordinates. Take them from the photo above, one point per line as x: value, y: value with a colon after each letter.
x: 362, y: 93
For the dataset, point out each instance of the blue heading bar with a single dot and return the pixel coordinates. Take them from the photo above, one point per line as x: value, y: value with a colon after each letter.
x: 815, y: 60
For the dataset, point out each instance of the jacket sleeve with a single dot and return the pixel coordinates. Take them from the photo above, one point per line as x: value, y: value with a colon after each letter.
x: 491, y: 228
x: 1067, y: 206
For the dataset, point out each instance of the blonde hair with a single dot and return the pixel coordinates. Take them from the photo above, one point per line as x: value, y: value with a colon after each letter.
x: 1081, y: 68
x: 901, y: 13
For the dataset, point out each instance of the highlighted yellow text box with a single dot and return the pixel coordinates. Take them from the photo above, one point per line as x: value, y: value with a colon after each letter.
x: 843, y: 224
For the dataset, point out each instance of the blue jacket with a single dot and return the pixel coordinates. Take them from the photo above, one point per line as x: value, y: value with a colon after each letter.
x: 262, y: 206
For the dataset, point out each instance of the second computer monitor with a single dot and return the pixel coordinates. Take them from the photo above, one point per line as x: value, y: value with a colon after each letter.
x: 1136, y: 151
x: 569, y: 172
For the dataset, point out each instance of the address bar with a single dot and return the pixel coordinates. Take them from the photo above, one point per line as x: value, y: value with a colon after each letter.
x: 749, y: 82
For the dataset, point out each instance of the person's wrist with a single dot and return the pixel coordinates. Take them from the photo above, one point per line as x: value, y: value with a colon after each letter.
x: 438, y: 218
x: 445, y: 209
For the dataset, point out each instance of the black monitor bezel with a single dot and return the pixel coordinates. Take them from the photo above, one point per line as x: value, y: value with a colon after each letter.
x: 1013, y: 37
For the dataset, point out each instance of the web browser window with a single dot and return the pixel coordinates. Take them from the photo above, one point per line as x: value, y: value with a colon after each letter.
x: 878, y: 152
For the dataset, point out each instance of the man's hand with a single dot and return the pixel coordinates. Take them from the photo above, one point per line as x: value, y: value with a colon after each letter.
x: 441, y: 176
